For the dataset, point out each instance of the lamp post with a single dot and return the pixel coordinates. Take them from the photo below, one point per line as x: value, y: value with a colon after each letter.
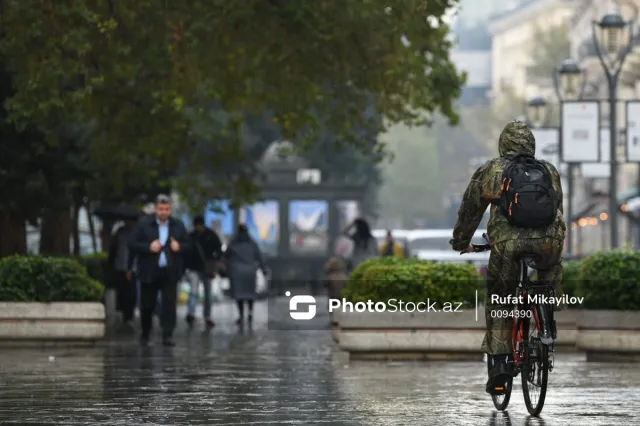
x: 537, y: 111
x: 613, y: 37
x: 569, y: 82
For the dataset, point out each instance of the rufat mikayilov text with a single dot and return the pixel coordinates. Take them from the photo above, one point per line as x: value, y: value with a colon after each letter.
x: 393, y: 305
x: 539, y: 299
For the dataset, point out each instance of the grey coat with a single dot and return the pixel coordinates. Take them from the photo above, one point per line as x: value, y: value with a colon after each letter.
x: 243, y: 258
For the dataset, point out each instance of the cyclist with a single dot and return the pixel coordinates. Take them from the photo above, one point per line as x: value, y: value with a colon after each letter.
x: 508, y: 242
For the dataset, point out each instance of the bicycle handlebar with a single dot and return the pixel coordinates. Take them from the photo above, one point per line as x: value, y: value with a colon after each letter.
x: 477, y: 248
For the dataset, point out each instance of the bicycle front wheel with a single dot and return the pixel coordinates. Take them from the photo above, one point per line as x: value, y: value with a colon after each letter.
x: 535, y: 371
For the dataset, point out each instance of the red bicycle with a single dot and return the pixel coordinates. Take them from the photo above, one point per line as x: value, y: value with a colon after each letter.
x: 532, y: 336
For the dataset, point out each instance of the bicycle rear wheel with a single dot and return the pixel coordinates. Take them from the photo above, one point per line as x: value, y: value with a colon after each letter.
x: 535, y: 370
x: 500, y: 401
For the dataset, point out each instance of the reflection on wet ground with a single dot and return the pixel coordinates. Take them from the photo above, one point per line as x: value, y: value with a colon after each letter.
x: 262, y: 377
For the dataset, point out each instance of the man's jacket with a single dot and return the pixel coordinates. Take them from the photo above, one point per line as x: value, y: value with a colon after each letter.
x: 211, y: 249
x: 146, y: 231
x: 484, y: 190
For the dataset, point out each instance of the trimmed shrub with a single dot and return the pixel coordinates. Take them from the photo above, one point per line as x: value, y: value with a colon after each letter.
x: 46, y: 279
x: 417, y: 281
x: 358, y: 273
x: 610, y: 280
x: 96, y: 265
x: 570, y: 281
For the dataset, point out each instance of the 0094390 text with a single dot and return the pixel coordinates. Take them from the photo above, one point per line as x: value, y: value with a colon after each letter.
x: 513, y: 313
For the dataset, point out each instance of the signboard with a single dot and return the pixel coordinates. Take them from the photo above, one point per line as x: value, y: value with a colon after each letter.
x: 547, y: 145
x: 633, y: 131
x: 603, y: 168
x: 580, y: 132
x: 311, y: 176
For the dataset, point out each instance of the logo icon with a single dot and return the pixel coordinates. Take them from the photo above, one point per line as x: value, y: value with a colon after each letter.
x: 301, y: 300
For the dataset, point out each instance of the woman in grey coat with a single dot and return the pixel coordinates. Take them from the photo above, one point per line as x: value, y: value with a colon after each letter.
x: 365, y: 246
x: 243, y: 258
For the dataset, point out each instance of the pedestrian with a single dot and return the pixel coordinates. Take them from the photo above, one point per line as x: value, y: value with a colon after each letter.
x: 391, y: 248
x: 243, y: 259
x: 365, y: 246
x: 121, y: 263
x: 206, y: 251
x: 159, y: 242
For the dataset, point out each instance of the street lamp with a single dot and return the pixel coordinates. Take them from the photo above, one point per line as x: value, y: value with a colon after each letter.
x: 613, y: 39
x: 537, y: 111
x: 524, y: 119
x: 569, y: 82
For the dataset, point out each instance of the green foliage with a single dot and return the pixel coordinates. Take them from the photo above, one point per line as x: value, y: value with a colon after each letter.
x: 46, y: 279
x: 416, y: 281
x: 174, y: 68
x: 358, y: 273
x: 570, y: 284
x: 96, y: 265
x: 609, y: 280
x: 571, y: 279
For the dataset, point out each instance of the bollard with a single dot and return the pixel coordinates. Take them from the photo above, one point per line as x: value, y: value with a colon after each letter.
x: 110, y: 306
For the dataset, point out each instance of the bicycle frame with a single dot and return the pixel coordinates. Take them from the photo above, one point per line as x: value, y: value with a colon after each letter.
x: 520, y: 327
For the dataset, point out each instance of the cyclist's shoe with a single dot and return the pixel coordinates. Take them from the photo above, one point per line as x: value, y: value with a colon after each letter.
x: 498, y: 379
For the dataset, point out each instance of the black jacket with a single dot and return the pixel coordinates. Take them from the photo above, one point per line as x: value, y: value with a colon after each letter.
x: 144, y: 233
x: 211, y: 248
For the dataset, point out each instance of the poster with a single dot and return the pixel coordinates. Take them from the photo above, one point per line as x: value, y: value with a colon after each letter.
x: 219, y: 217
x: 263, y: 222
x: 308, y: 227
x: 548, y: 145
x: 603, y: 168
x: 580, y: 132
x: 633, y: 131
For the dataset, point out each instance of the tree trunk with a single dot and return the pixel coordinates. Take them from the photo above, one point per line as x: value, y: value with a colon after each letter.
x: 13, y: 230
x: 75, y: 232
x: 92, y: 228
x: 55, y: 230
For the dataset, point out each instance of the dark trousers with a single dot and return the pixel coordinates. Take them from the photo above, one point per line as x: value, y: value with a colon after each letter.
x: 168, y: 288
x: 240, y: 303
x: 125, y: 295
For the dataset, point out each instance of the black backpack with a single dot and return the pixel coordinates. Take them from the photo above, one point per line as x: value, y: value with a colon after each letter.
x: 528, y: 198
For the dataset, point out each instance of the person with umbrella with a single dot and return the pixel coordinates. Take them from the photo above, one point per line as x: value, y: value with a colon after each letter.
x: 120, y: 259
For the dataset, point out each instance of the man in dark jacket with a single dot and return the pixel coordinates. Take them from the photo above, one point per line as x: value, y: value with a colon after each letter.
x: 159, y: 242
x: 206, y: 250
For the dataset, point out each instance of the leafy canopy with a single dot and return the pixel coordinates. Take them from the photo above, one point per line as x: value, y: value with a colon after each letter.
x: 139, y: 73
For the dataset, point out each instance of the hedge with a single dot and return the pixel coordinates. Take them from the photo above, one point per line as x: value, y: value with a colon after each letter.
x: 610, y: 280
x: 358, y: 272
x: 570, y: 281
x: 96, y: 265
x: 415, y: 281
x: 46, y: 279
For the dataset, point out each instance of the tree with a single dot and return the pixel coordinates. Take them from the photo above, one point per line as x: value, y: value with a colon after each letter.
x: 139, y: 77
x: 551, y: 47
x: 132, y: 68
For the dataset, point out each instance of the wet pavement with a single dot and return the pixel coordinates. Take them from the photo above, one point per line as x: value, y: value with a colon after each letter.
x: 286, y: 377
